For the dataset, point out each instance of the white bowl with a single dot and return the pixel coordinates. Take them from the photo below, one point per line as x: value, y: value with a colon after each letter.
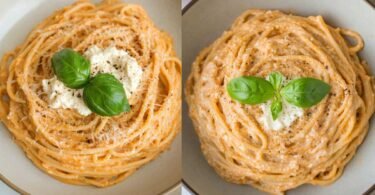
x: 17, y: 18
x: 205, y: 21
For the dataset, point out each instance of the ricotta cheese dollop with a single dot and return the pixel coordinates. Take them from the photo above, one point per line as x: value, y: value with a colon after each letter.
x: 108, y: 60
x: 287, y: 116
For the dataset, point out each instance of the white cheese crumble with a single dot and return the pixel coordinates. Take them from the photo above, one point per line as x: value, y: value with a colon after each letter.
x: 109, y: 60
x: 63, y: 97
x: 287, y: 116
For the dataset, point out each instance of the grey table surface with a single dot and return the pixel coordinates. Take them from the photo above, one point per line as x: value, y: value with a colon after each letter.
x: 4, y: 189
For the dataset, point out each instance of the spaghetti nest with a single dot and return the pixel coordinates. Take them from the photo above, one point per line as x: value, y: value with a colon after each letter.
x: 317, y: 146
x: 92, y: 150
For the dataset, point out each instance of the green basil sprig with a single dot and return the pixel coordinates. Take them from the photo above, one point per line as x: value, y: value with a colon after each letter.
x: 305, y: 92
x: 302, y: 92
x: 105, y: 95
x: 250, y: 90
x: 276, y: 79
x: 71, y: 68
x: 276, y: 108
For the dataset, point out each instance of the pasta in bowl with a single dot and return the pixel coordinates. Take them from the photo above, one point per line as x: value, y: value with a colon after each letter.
x: 53, y: 124
x: 242, y: 141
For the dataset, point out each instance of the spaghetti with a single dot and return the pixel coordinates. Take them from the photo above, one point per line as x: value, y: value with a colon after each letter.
x: 317, y: 146
x: 92, y: 150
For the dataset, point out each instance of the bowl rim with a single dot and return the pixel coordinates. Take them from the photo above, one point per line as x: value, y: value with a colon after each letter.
x: 12, y: 185
x: 23, y: 192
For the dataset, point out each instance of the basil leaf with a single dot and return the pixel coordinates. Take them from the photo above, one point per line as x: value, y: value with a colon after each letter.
x: 250, y: 90
x: 276, y: 79
x: 105, y: 95
x: 305, y: 92
x: 71, y: 68
x: 276, y: 108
